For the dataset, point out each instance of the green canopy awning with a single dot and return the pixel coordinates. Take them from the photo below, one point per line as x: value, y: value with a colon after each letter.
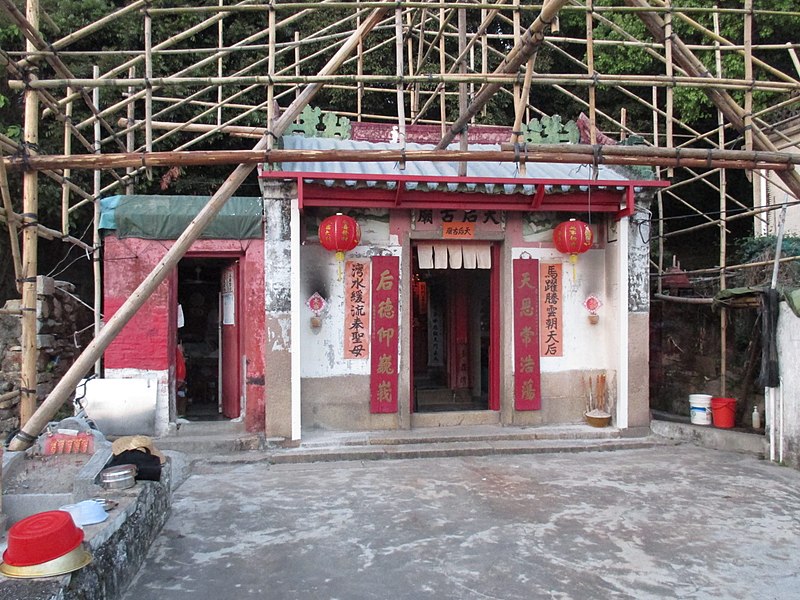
x: 167, y: 217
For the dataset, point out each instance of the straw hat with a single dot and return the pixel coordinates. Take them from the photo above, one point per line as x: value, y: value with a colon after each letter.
x: 136, y: 442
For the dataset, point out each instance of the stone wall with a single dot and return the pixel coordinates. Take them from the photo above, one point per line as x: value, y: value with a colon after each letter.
x: 60, y: 337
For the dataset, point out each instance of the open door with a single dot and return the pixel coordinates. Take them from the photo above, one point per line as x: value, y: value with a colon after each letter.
x: 229, y: 366
x: 454, y: 294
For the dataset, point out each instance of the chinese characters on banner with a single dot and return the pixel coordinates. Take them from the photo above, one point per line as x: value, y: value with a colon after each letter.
x: 385, y: 333
x: 527, y: 376
x: 551, y: 303
x: 435, y: 334
x: 356, y: 309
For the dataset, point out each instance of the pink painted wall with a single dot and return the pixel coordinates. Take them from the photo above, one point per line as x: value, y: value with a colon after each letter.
x: 148, y: 340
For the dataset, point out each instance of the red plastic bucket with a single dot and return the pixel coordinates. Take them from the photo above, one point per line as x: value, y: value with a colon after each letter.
x: 723, y: 412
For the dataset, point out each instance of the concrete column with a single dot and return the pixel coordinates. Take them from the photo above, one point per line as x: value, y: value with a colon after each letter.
x: 278, y: 380
x: 638, y: 318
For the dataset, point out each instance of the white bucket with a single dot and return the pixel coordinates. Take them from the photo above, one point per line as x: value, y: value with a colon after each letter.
x: 700, y: 408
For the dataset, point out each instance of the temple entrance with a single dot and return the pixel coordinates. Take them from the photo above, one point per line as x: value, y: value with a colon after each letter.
x: 452, y: 316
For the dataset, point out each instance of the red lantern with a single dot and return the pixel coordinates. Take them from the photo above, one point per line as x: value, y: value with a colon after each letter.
x: 573, y: 237
x: 339, y: 233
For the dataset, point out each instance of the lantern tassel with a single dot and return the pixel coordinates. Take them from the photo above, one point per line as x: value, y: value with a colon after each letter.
x: 339, y: 261
x: 573, y: 260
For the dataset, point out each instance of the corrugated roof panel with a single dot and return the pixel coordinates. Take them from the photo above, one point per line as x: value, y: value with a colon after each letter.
x: 487, y: 170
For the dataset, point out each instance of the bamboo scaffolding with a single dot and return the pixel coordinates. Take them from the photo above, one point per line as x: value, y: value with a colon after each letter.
x: 292, y: 6
x: 423, y: 31
x: 518, y: 55
x: 24, y: 438
x: 729, y: 108
x: 42, y: 231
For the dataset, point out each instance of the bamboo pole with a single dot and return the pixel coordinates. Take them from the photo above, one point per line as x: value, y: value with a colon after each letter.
x: 65, y: 191
x: 9, y: 395
x: 12, y: 221
x: 130, y: 133
x: 516, y: 28
x: 65, y: 387
x: 359, y: 70
x: 220, y: 60
x: 562, y: 153
x: 491, y: 79
x: 148, y: 76
x: 30, y: 240
x: 442, y: 97
x: 271, y: 70
x: 399, y: 71
x: 96, y: 267
x: 591, y: 71
x: 723, y: 230
x: 463, y: 100
x: 409, y: 56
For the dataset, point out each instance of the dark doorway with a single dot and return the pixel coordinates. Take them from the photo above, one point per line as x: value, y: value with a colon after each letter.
x: 206, y: 294
x: 451, y: 339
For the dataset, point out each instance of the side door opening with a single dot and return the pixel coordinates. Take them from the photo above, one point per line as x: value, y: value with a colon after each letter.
x: 209, y: 338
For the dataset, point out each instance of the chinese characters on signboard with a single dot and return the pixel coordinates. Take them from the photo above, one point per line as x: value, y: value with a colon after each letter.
x: 385, y: 342
x: 460, y: 230
x: 356, y: 309
x: 551, y: 303
x: 527, y: 377
x: 458, y: 224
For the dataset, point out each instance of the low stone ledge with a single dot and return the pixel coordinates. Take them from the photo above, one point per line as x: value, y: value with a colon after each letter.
x: 708, y: 436
x: 118, y: 547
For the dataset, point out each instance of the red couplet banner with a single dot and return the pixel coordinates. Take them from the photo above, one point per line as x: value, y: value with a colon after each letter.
x: 551, y: 306
x: 356, y: 309
x: 527, y: 376
x: 385, y: 334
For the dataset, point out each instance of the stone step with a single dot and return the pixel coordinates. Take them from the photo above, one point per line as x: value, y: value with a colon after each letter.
x: 211, y: 443
x: 457, y: 434
x: 441, y: 449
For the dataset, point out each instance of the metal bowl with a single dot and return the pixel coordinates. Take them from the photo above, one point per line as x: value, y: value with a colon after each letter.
x: 118, y: 478
x: 71, y: 561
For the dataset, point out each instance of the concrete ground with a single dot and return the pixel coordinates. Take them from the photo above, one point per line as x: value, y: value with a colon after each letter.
x: 665, y: 522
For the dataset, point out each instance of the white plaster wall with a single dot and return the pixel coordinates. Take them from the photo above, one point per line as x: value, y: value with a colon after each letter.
x: 585, y: 345
x: 323, y: 349
x: 788, y: 351
x: 162, y: 418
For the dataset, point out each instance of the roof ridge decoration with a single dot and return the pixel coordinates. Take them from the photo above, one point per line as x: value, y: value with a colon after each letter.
x: 550, y: 130
x: 333, y: 126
